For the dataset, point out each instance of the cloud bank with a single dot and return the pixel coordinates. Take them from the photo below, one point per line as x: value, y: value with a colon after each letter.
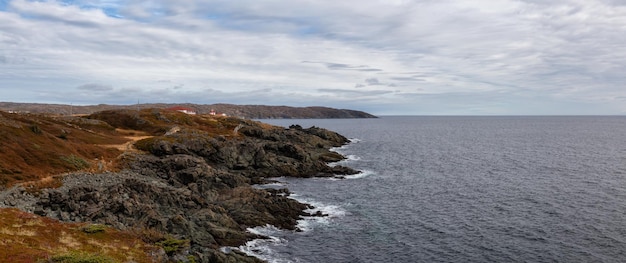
x: 385, y: 57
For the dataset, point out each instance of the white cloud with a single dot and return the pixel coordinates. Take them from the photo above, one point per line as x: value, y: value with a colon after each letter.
x: 366, y: 54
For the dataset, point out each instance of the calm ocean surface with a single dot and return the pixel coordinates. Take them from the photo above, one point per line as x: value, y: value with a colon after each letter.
x: 464, y: 189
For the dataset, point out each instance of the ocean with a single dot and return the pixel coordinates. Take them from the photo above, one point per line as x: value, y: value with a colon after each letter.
x: 463, y: 189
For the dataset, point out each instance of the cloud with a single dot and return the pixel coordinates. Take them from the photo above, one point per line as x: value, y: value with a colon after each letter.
x: 408, y: 79
x: 95, y: 87
x: 373, y: 82
x: 356, y: 92
x: 568, y: 53
x: 341, y: 66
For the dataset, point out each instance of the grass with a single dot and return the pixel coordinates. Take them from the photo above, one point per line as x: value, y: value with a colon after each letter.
x: 75, y: 162
x: 35, y: 150
x: 28, y: 238
x: 172, y: 245
x: 34, y: 146
x: 30, y: 148
x: 95, y: 228
x: 80, y: 257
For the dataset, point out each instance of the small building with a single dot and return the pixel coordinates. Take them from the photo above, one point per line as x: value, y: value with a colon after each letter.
x: 214, y: 113
x: 185, y: 110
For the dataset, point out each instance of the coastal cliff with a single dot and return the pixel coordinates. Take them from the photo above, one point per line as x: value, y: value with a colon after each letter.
x: 179, y: 182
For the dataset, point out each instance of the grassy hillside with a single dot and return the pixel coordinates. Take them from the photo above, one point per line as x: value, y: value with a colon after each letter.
x: 35, y: 150
x: 27, y: 238
x: 36, y: 146
x: 33, y: 147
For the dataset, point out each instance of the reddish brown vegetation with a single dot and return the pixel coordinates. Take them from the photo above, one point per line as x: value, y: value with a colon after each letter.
x: 36, y: 146
x: 29, y: 238
x: 33, y: 147
x: 35, y: 150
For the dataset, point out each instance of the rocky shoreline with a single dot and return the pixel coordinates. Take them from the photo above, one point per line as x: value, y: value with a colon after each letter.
x: 195, y: 187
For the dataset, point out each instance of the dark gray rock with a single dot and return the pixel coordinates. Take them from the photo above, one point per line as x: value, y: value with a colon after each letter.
x: 197, y: 187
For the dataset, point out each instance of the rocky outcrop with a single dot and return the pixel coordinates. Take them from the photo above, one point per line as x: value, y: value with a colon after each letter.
x: 198, y: 187
x: 260, y: 153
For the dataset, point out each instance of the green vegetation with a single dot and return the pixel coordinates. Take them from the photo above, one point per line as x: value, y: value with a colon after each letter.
x: 172, y: 245
x: 80, y: 257
x: 75, y: 162
x: 95, y: 228
x: 35, y: 128
x: 28, y: 238
x: 36, y: 151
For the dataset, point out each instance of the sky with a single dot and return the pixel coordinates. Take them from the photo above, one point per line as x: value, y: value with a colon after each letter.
x: 386, y: 57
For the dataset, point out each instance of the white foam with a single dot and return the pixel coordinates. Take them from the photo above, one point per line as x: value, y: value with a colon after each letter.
x: 274, y: 185
x: 352, y: 157
x: 337, y: 149
x: 349, y: 158
x: 362, y: 174
x: 330, y: 212
x: 267, y: 230
x: 345, y: 146
x: 342, y: 150
x: 261, y: 248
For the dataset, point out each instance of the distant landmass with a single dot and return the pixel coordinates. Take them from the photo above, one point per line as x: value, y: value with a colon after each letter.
x: 244, y: 111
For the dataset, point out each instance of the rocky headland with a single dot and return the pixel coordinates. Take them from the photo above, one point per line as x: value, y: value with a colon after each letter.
x: 184, y: 184
x: 243, y: 111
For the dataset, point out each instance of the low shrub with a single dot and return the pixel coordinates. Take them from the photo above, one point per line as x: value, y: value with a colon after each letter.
x: 75, y: 161
x: 80, y: 257
x: 35, y: 129
x: 95, y: 228
x: 172, y: 245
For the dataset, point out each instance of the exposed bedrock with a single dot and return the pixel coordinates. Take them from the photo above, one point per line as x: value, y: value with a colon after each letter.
x: 198, y: 187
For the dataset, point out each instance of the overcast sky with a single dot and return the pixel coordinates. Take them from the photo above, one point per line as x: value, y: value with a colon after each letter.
x: 422, y: 57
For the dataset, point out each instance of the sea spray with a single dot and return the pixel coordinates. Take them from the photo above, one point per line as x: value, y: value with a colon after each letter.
x: 262, y: 247
x: 266, y: 248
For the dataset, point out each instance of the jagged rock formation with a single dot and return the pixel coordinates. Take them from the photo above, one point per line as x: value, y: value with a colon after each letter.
x: 196, y: 183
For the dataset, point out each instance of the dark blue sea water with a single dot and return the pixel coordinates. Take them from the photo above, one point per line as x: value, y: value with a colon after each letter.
x: 464, y: 189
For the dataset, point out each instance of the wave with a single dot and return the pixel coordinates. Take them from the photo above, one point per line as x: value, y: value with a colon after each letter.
x: 362, y: 174
x: 345, y: 146
x: 349, y: 158
x: 328, y: 212
x: 262, y: 248
x: 272, y: 185
x: 352, y: 157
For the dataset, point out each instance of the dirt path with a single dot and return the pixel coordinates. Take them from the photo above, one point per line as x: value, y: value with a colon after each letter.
x: 132, y: 135
x: 127, y: 146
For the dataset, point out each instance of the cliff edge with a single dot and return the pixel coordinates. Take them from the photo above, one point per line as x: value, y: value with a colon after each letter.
x: 180, y: 183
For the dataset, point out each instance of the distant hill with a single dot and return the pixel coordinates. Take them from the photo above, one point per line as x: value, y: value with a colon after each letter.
x: 244, y: 111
